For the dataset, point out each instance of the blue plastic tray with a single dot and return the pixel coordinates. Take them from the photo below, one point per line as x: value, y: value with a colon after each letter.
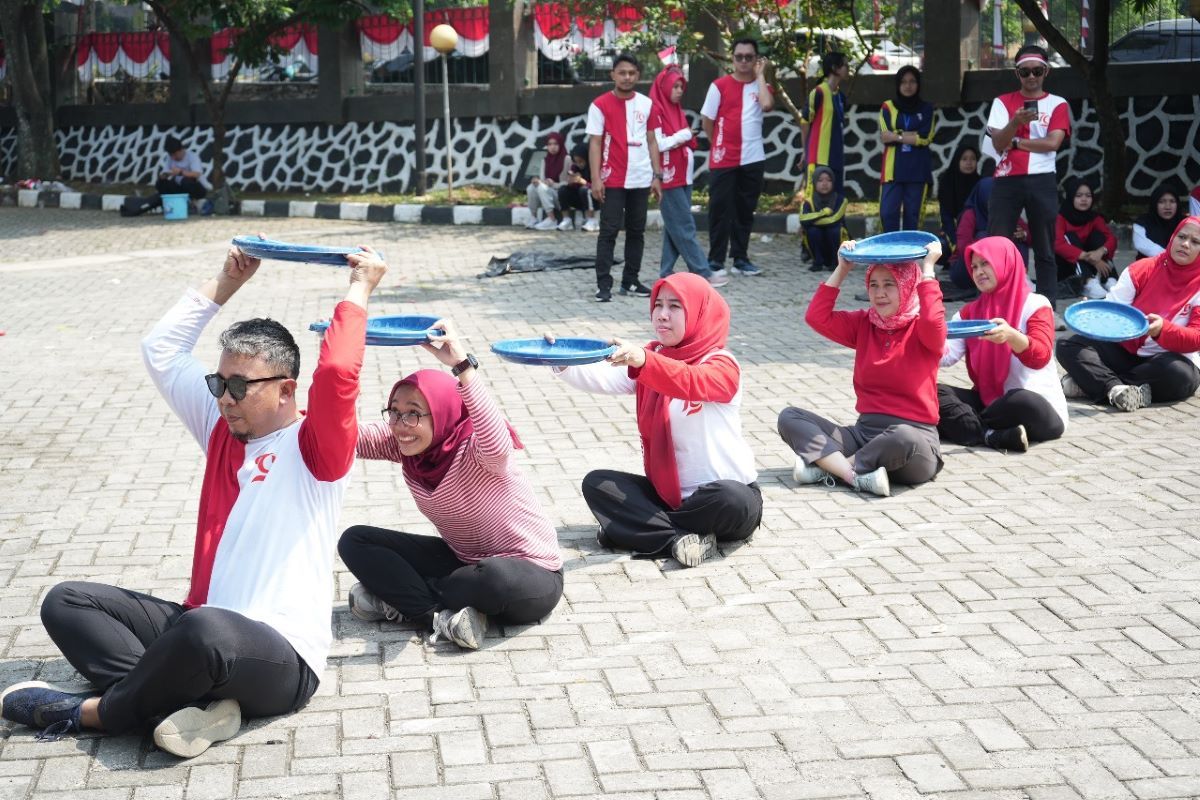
x: 563, y: 353
x: 393, y: 331
x: 286, y: 251
x: 1106, y: 320
x: 968, y: 328
x: 886, y: 248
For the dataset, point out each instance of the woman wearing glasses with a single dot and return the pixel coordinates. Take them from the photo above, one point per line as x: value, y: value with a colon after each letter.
x: 497, y: 554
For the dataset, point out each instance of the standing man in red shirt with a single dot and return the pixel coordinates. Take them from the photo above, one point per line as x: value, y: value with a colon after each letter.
x: 732, y: 117
x: 1025, y: 130
x: 625, y: 170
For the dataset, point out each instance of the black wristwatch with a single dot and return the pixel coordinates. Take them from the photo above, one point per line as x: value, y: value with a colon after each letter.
x: 467, y: 363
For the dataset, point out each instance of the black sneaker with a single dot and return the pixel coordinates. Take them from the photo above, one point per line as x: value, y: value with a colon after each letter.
x: 1013, y: 439
x: 746, y: 269
x: 635, y: 290
x: 603, y: 296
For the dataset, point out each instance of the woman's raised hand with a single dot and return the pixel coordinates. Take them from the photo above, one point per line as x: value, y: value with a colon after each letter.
x: 446, y: 348
x: 627, y: 355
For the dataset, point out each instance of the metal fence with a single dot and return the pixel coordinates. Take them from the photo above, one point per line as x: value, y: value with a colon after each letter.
x: 389, y: 51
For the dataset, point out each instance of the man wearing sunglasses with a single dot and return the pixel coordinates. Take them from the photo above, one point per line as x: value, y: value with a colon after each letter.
x: 254, y: 632
x: 1026, y: 128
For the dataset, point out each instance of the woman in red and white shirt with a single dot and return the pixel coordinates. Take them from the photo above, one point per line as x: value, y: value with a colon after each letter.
x: 1162, y: 366
x: 497, y: 555
x: 699, y: 486
x: 1015, y: 395
x: 897, y: 344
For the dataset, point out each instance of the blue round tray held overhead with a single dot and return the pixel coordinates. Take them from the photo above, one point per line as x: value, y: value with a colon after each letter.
x: 968, y: 328
x: 1106, y: 320
x: 565, y: 352
x: 400, y: 330
x: 887, y: 248
x: 287, y: 251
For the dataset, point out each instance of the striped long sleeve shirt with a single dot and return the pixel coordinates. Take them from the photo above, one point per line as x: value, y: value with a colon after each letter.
x: 484, y: 507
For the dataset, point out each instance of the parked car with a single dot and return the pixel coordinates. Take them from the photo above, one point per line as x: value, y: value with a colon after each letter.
x: 887, y: 57
x: 1165, y: 40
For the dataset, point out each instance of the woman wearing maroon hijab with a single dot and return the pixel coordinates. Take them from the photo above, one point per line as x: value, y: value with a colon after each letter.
x: 897, y: 343
x: 496, y: 555
x: 1015, y: 396
x: 1162, y: 366
x: 699, y: 486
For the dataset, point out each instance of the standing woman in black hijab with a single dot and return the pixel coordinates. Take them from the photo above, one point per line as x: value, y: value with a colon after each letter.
x: 905, y: 129
x: 1152, y: 230
x: 954, y: 187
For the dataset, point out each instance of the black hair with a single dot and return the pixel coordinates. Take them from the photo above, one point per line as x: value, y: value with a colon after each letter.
x: 831, y: 61
x: 1035, y: 50
x: 265, y: 339
x: 745, y: 40
x: 172, y: 144
x: 628, y: 58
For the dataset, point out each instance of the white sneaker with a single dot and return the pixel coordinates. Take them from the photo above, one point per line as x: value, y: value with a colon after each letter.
x: 1129, y: 398
x: 1110, y: 284
x: 874, y: 482
x: 190, y: 731
x: 1071, y: 389
x: 566, y: 225
x: 368, y: 607
x: 464, y: 627
x: 591, y: 226
x: 691, y: 549
x: 1092, y: 289
x: 720, y: 273
x: 717, y: 281
x: 548, y: 224
x: 806, y: 474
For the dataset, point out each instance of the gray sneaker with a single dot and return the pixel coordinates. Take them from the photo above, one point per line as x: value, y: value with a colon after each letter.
x: 190, y: 731
x: 1071, y: 388
x: 465, y: 627
x: 691, y: 549
x: 806, y: 474
x: 1129, y: 398
x: 368, y: 607
x: 874, y: 482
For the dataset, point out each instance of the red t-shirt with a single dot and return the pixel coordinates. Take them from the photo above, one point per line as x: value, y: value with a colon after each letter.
x: 1053, y: 115
x: 625, y: 156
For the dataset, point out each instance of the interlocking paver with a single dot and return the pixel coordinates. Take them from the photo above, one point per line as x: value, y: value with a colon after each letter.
x: 1021, y: 627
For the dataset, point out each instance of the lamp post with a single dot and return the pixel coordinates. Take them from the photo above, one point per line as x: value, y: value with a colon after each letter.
x: 444, y: 39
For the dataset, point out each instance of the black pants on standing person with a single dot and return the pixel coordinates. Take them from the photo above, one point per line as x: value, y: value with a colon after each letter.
x: 732, y: 198
x: 632, y: 516
x: 628, y: 206
x: 963, y: 418
x: 151, y: 657
x: 1038, y: 196
x: 418, y: 575
x: 1096, y: 367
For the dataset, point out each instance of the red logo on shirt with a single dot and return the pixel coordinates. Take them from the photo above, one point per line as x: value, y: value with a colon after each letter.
x: 639, y: 117
x: 692, y: 408
x: 263, y: 463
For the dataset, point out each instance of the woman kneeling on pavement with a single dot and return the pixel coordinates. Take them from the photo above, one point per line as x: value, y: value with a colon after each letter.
x: 699, y: 486
x: 1162, y: 366
x: 898, y: 342
x: 1015, y: 396
x: 497, y: 556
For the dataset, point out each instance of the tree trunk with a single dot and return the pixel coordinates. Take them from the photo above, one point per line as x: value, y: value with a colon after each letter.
x: 24, y: 36
x: 1112, y: 142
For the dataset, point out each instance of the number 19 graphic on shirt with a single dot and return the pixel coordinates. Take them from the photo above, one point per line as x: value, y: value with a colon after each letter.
x: 263, y: 463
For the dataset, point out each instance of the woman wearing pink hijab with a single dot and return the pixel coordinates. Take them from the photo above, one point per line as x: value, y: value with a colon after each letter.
x: 897, y: 343
x: 1162, y: 366
x: 496, y: 555
x: 1015, y: 396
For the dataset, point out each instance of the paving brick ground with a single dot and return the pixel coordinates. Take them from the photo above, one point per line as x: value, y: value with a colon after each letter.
x: 1022, y: 627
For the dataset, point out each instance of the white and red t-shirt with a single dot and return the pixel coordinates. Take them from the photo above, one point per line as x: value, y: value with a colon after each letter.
x: 1053, y: 115
x: 268, y: 522
x: 675, y: 152
x: 624, y: 155
x: 737, y: 123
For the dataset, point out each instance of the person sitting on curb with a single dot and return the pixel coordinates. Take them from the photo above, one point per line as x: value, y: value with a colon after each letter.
x: 182, y: 173
x: 497, y: 556
x: 575, y: 194
x: 542, y: 193
x: 254, y: 632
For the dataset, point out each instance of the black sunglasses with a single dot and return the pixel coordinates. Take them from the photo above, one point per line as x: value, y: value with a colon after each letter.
x: 744, y: 56
x: 236, y: 385
x: 1036, y: 72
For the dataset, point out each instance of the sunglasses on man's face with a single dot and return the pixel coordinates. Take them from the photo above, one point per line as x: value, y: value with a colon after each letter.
x: 237, y: 385
x: 744, y: 56
x: 1036, y: 72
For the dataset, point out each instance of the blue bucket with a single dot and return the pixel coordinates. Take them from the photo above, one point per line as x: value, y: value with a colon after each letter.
x: 175, y: 206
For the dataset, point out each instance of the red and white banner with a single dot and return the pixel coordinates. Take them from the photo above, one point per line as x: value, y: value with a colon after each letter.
x: 561, y: 32
x: 384, y: 38
x: 298, y: 42
x: 144, y: 54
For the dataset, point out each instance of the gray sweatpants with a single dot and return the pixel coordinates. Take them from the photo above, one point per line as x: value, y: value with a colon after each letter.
x: 909, y: 451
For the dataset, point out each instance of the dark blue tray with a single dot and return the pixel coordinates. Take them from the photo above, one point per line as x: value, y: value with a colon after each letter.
x: 563, y: 353
x: 286, y: 251
x: 968, y: 328
x: 393, y: 331
x: 1106, y: 320
x: 886, y: 248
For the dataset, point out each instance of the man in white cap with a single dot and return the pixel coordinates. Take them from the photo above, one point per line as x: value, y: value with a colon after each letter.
x: 1025, y: 129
